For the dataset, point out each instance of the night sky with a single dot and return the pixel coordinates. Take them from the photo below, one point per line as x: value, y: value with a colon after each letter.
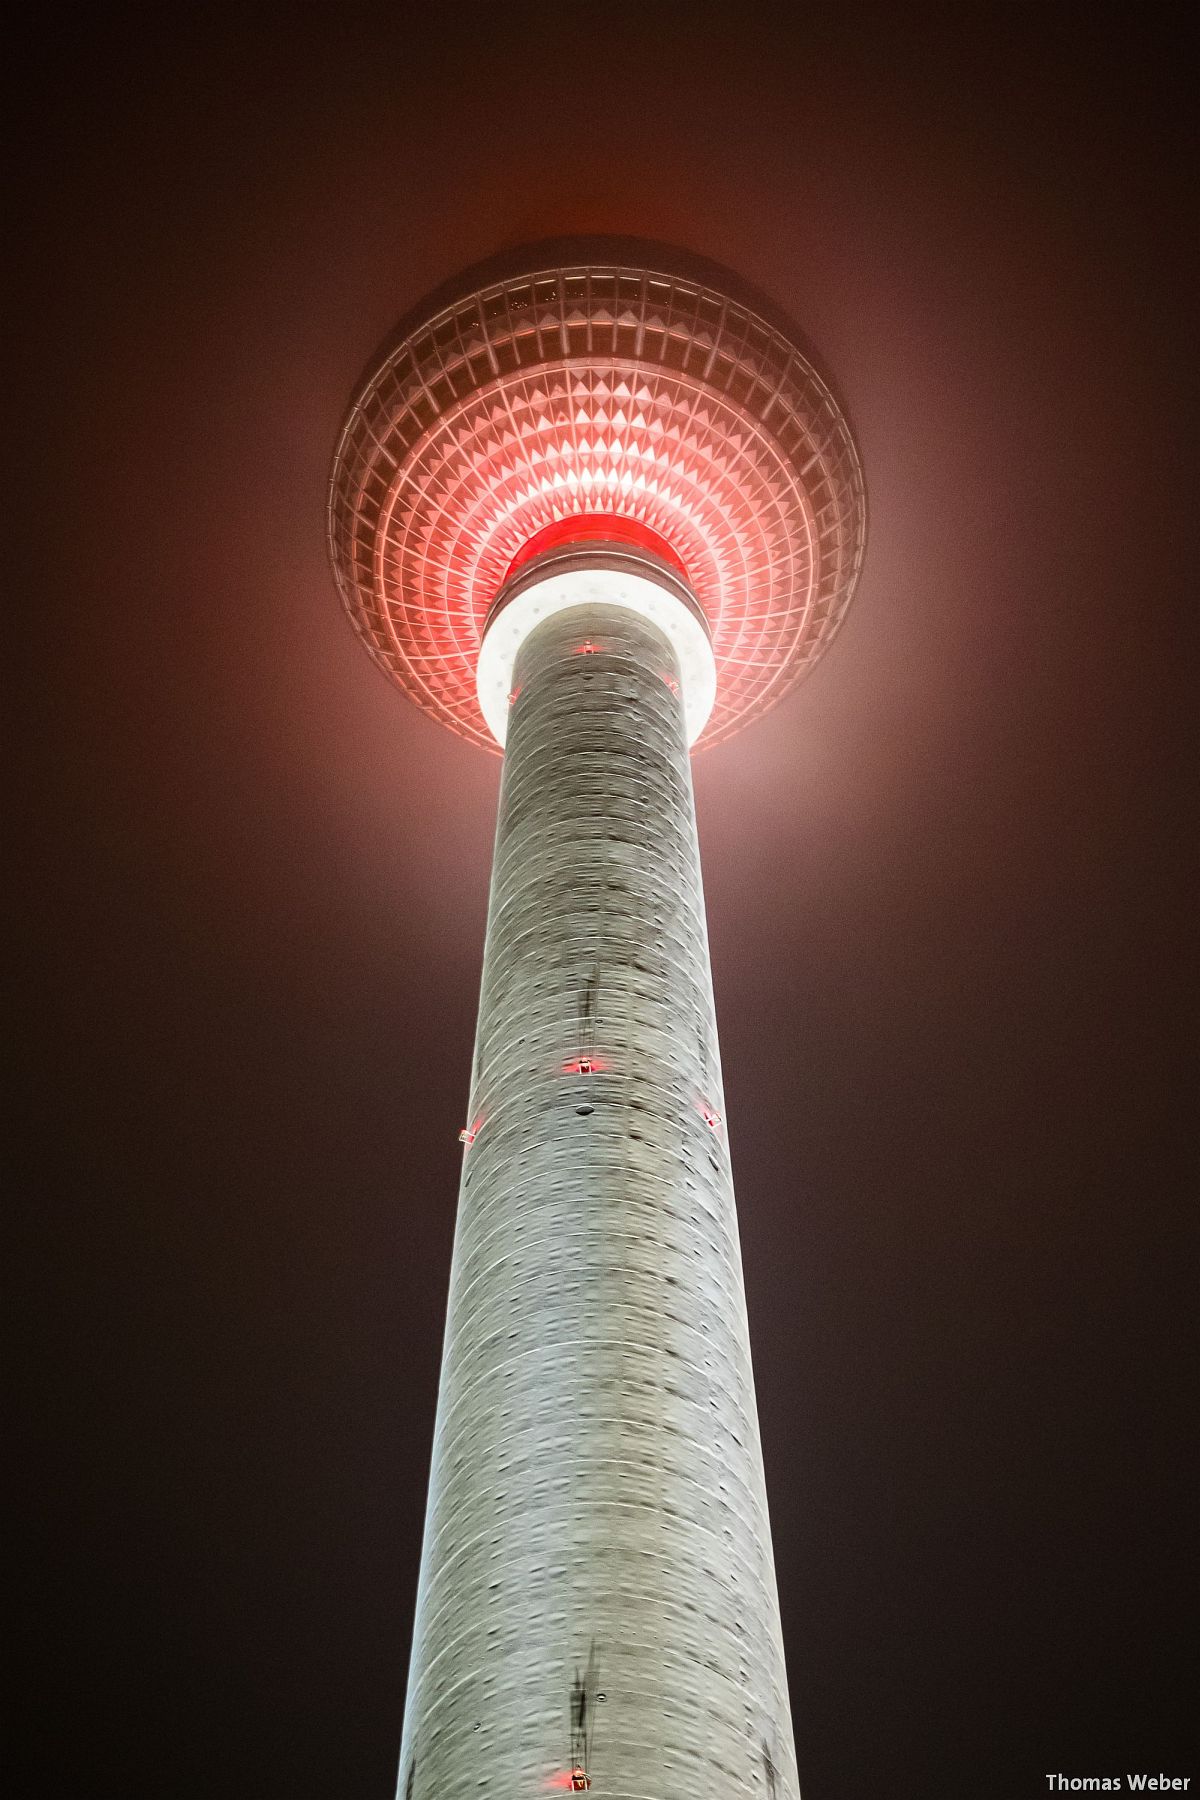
x: 945, y: 878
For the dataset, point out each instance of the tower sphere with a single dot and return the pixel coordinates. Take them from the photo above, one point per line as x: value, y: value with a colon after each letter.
x: 575, y: 400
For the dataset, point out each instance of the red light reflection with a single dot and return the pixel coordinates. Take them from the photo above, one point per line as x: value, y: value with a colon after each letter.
x: 607, y: 528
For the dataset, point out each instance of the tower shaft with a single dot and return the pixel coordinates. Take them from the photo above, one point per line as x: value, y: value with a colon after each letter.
x: 597, y: 1540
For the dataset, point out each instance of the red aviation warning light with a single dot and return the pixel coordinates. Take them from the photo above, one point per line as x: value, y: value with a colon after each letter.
x: 470, y: 1132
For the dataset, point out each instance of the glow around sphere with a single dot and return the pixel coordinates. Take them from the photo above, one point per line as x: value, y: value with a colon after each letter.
x: 595, y: 389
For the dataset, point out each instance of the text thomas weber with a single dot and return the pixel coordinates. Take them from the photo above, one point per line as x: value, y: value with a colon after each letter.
x: 1109, y: 1784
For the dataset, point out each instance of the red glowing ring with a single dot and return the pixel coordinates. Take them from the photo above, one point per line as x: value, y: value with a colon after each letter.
x: 622, y: 403
x: 591, y: 528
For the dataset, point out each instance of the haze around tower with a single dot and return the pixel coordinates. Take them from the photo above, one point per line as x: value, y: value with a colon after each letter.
x: 944, y: 883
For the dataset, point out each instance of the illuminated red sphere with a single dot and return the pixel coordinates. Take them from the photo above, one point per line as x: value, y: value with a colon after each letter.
x: 595, y: 399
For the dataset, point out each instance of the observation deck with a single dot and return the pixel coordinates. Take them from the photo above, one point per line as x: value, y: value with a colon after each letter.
x: 579, y: 391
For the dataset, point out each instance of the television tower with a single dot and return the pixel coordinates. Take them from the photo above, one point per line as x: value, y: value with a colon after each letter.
x: 594, y: 512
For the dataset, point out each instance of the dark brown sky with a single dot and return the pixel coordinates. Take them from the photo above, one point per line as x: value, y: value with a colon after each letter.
x: 945, y: 879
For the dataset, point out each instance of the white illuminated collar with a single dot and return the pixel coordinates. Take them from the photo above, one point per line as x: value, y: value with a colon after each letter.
x: 595, y: 574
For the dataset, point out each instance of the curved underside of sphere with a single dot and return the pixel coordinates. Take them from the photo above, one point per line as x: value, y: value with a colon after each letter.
x: 585, y: 390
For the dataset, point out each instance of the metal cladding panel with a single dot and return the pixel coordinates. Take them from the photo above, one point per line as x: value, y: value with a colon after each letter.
x: 597, y: 1537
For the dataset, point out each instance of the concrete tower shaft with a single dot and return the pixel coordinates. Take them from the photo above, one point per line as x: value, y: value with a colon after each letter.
x: 597, y: 1590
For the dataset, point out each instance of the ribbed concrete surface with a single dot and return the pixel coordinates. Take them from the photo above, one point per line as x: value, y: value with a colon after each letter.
x: 597, y: 1485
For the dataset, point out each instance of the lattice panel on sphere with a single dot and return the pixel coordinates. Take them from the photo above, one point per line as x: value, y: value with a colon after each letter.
x: 585, y: 391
